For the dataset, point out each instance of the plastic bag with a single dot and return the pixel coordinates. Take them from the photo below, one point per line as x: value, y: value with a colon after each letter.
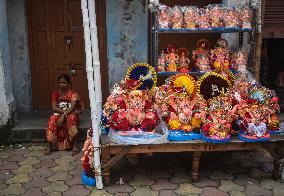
x: 164, y: 16
x: 203, y: 19
x: 140, y: 137
x: 190, y: 17
x: 231, y: 18
x: 176, y: 17
x: 245, y: 16
x: 216, y: 13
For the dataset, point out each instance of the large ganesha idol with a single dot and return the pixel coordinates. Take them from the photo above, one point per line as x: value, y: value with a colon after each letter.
x: 177, y: 108
x: 253, y: 123
x: 214, y: 88
x: 255, y: 111
x: 132, y: 109
x: 218, y: 127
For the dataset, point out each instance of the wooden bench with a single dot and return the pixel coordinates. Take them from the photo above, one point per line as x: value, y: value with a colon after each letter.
x: 111, y: 153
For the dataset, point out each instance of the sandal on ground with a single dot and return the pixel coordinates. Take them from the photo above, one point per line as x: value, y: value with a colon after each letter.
x: 75, y: 151
x: 47, y: 152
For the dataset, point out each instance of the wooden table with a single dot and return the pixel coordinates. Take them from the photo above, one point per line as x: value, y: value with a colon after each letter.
x: 111, y: 153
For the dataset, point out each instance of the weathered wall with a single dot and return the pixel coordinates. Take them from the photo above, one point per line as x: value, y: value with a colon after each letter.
x: 127, y: 37
x: 6, y: 85
x: 18, y: 40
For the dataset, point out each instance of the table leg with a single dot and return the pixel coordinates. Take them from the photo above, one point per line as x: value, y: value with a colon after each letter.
x: 277, y: 154
x: 105, y: 159
x: 195, y: 165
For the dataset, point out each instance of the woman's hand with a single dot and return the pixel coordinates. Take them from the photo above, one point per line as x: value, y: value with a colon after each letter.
x: 60, y: 120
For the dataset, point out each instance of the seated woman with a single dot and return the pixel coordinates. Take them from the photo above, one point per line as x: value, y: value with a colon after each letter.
x: 62, y: 125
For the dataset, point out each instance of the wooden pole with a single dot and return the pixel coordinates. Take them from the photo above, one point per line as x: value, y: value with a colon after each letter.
x: 260, y: 16
x: 95, y: 54
x: 92, y: 94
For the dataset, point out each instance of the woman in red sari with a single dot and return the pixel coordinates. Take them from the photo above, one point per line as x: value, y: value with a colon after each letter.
x: 62, y: 125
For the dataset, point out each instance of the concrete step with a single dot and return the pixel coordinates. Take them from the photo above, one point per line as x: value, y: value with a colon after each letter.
x: 31, y: 126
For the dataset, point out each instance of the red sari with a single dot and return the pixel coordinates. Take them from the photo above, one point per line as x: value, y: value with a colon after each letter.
x: 63, y: 136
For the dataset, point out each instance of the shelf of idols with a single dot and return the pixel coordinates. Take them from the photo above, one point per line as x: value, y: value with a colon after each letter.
x: 192, y: 73
x: 218, y: 30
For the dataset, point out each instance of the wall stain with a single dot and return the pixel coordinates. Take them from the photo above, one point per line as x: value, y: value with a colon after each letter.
x: 128, y: 22
x: 127, y: 16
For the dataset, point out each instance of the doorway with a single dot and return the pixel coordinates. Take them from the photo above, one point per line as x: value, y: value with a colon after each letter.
x: 56, y: 46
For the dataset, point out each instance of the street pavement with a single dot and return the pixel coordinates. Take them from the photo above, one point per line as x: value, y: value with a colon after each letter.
x: 24, y: 170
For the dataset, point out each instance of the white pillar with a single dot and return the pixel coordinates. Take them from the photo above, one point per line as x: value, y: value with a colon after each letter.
x: 92, y: 94
x: 96, y: 56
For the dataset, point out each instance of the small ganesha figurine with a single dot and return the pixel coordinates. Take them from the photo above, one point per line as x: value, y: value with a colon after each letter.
x: 164, y: 16
x: 203, y: 63
x: 183, y: 60
x: 246, y: 17
x: 204, y: 19
x: 216, y: 16
x: 190, y: 17
x: 114, y: 101
x: 273, y: 122
x: 220, y: 55
x: 162, y: 62
x: 176, y: 17
x: 239, y: 60
x: 201, y: 56
x: 172, y: 58
x: 198, y: 112
x: 231, y: 18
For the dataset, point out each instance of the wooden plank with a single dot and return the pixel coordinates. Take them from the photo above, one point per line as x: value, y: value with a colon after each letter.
x: 188, y: 147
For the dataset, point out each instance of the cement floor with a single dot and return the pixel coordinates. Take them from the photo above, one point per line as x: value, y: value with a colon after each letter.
x: 26, y: 171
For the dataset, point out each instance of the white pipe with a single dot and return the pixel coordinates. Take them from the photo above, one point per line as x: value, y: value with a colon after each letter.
x: 96, y: 56
x: 92, y: 97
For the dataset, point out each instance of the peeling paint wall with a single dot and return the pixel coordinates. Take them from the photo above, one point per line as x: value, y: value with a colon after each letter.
x: 6, y: 84
x: 127, y: 36
x: 18, y: 39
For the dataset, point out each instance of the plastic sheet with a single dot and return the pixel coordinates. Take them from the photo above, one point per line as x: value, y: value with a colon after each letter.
x: 140, y: 137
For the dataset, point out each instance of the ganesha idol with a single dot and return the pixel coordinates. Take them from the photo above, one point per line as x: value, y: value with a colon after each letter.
x: 231, y: 19
x: 180, y: 113
x: 179, y: 118
x: 136, y: 113
x: 273, y: 122
x: 164, y: 17
x: 220, y: 55
x: 217, y: 128
x: 253, y: 124
x: 201, y: 56
x: 246, y: 17
x: 88, y: 155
